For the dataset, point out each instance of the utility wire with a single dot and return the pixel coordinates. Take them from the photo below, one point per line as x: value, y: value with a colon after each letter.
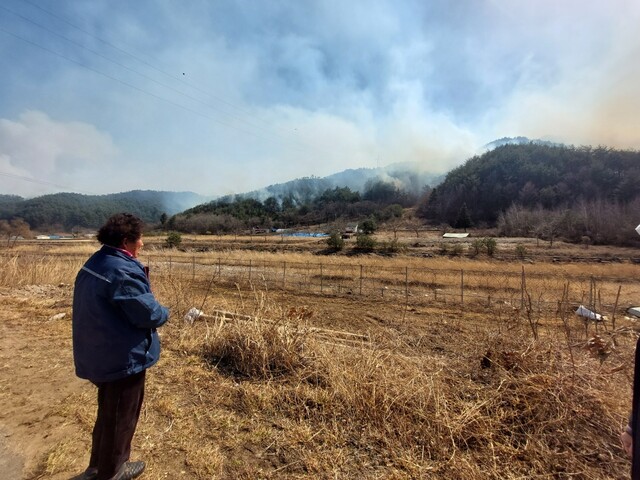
x: 42, y: 182
x: 111, y: 77
x: 299, y: 144
x: 106, y: 58
x: 65, y: 57
x: 137, y: 58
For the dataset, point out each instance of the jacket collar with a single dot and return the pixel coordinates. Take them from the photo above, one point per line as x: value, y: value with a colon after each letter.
x: 120, y: 253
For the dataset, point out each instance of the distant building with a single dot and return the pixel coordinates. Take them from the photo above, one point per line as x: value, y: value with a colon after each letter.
x: 350, y: 230
x: 455, y: 235
x: 54, y: 237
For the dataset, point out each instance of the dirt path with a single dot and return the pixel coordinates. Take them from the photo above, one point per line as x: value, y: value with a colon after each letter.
x: 11, y: 464
x: 37, y: 440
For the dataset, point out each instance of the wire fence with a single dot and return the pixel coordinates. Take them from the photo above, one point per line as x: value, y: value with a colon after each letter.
x: 406, y: 284
x: 402, y: 284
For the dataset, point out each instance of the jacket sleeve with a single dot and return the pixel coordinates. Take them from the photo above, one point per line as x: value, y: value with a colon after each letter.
x: 134, y: 298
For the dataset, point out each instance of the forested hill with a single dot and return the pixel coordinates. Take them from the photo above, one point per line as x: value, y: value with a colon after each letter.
x: 72, y: 210
x: 411, y: 177
x: 534, y: 176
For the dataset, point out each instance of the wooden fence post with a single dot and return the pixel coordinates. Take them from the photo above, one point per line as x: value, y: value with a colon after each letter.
x: 249, y: 270
x: 613, y: 315
x: 406, y: 283
x: 360, y: 279
x: 461, y: 287
x: 522, y: 289
x: 284, y: 274
x: 193, y: 267
x: 321, y: 284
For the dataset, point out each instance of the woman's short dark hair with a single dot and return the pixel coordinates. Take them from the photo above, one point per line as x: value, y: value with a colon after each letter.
x: 120, y: 227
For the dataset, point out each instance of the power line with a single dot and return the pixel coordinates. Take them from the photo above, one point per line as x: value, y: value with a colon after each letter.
x: 299, y: 144
x: 65, y: 57
x: 94, y: 52
x: 137, y: 58
x: 42, y: 182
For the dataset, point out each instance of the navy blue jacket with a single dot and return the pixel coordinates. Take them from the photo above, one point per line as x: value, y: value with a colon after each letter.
x: 115, y: 317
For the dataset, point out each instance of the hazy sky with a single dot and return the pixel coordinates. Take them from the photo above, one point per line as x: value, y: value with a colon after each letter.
x: 224, y: 96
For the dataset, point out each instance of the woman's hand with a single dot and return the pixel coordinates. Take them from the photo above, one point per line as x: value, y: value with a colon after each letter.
x: 627, y: 443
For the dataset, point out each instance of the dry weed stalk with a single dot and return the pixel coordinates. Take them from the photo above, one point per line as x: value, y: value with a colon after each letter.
x: 533, y: 322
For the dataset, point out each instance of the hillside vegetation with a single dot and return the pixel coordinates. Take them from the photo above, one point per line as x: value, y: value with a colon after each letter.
x: 587, y: 195
x: 380, y: 200
x: 544, y: 191
x: 580, y: 194
x: 70, y: 211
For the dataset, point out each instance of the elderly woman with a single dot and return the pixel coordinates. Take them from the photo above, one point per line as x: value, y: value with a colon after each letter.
x: 115, y: 317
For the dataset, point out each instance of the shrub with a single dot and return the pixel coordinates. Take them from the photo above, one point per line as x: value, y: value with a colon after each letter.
x: 392, y: 247
x: 335, y: 241
x: 521, y: 251
x: 365, y: 242
x: 369, y: 226
x: 456, y: 249
x: 477, y: 246
x: 491, y: 245
x: 173, y: 240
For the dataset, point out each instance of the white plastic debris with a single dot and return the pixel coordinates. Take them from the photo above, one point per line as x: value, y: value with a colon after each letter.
x: 635, y: 311
x: 193, y: 314
x: 586, y: 313
x: 57, y: 316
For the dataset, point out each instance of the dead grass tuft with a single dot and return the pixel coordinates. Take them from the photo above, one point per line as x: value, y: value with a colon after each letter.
x: 62, y: 458
x: 258, y: 349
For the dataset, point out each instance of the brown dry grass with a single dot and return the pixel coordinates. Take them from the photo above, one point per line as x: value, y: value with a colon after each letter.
x: 435, y: 392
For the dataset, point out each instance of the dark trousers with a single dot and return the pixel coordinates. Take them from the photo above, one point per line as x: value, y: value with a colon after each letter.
x: 635, y: 417
x: 119, y: 404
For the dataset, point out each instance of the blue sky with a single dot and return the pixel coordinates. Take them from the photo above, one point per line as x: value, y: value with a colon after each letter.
x: 227, y: 96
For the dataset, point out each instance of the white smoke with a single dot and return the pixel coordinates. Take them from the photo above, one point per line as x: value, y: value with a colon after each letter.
x: 48, y: 152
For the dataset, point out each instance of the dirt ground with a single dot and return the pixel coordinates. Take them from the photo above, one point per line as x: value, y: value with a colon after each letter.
x: 36, y: 378
x: 41, y: 438
x: 37, y: 382
x: 48, y: 413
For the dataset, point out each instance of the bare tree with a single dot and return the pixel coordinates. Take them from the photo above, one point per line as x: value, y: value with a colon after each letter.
x: 414, y: 224
x: 5, y: 230
x: 395, y: 225
x: 19, y: 228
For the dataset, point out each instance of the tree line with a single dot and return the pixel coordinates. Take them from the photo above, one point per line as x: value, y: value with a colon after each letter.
x: 380, y: 201
x: 582, y: 194
x: 66, y: 212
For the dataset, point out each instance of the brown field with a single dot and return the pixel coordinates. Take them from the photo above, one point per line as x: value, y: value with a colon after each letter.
x: 306, y: 365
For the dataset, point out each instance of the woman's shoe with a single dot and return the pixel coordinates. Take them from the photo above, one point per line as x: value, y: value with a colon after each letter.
x: 129, y: 470
x: 89, y: 474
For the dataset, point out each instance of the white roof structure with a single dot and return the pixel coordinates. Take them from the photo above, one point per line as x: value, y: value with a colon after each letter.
x: 455, y: 235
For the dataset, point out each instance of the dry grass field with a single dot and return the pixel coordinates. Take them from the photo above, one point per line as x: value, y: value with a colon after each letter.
x: 307, y: 366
